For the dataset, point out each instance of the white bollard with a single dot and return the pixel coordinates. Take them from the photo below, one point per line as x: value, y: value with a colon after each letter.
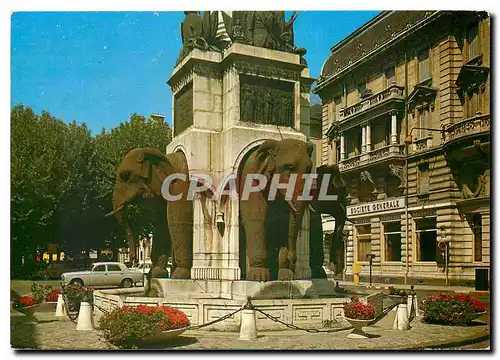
x: 415, y: 304
x: 85, y: 320
x: 60, y: 310
x: 248, y: 329
x: 401, y: 320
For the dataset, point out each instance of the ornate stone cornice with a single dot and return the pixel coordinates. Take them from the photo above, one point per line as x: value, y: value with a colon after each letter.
x: 266, y: 71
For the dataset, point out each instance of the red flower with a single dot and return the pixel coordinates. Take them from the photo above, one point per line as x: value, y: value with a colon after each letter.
x: 24, y: 301
x: 53, y: 295
x: 359, y: 310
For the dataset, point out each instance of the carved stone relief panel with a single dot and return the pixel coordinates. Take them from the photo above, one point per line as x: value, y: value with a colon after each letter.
x: 266, y: 101
x: 183, y: 109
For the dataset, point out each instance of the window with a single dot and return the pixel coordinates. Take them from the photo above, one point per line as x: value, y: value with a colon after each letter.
x: 424, y: 179
x: 390, y: 76
x: 423, y: 121
x: 114, y: 267
x: 364, y: 241
x: 478, y: 238
x: 473, y: 42
x: 315, y: 131
x: 472, y: 103
x: 426, y: 239
x: 392, y: 241
x: 337, y: 151
x: 100, y: 268
x: 424, y: 72
x: 338, y: 106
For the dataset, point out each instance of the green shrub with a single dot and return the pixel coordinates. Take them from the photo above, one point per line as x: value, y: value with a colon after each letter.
x: 74, y: 295
x: 451, y: 309
x: 40, y: 291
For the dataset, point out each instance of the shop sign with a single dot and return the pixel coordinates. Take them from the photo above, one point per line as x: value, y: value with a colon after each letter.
x: 376, y: 206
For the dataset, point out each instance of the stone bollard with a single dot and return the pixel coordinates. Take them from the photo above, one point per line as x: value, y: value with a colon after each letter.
x: 401, y: 320
x: 60, y: 310
x: 85, y: 320
x: 248, y: 329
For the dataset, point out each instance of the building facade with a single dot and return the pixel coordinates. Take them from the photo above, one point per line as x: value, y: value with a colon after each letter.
x: 406, y: 115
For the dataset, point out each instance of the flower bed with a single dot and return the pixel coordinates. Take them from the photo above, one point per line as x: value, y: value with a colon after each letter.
x: 74, y: 295
x: 451, y: 309
x: 53, y: 295
x: 25, y: 301
x: 358, y: 310
x: 131, y: 325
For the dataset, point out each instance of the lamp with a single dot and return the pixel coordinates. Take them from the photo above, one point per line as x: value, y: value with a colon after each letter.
x: 219, y: 221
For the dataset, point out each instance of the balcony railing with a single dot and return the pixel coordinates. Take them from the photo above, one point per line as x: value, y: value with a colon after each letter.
x: 475, y: 125
x: 350, y: 163
x: 387, y: 152
x: 393, y: 91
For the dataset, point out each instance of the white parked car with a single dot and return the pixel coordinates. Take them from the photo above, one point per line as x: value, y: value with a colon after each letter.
x: 103, y: 274
x: 143, y: 266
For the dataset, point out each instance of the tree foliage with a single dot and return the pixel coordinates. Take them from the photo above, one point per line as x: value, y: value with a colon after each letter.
x: 62, y: 179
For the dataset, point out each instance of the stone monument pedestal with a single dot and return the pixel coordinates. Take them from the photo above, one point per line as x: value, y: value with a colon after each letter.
x: 225, y: 104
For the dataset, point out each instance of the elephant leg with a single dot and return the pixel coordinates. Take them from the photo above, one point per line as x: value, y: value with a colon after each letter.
x: 253, y: 214
x: 180, y: 223
x: 288, y: 256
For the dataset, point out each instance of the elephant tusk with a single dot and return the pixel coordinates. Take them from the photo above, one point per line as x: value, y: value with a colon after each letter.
x: 118, y: 209
x: 294, y: 209
x: 311, y: 208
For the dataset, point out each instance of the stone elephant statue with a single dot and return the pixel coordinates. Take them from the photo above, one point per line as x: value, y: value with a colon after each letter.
x: 281, y: 158
x: 141, y: 175
x: 335, y: 208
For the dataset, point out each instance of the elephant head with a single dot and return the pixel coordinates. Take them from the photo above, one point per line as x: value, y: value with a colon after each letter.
x: 140, y: 174
x: 282, y: 158
x: 285, y: 158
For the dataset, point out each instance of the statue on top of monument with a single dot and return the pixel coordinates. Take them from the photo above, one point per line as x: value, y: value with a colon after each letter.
x: 199, y: 32
x: 267, y: 29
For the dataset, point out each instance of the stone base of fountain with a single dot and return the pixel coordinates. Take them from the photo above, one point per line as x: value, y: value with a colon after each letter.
x: 241, y: 289
x: 304, y: 303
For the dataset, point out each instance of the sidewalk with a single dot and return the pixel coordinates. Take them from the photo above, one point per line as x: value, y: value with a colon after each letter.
x: 60, y: 333
x: 460, y: 289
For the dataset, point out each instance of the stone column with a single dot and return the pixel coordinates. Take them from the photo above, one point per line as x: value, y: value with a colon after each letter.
x: 394, y: 128
x: 342, y: 147
x: 363, y: 139
x: 302, y: 268
x: 368, y: 138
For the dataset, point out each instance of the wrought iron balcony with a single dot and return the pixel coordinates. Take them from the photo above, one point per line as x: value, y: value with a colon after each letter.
x: 373, y: 101
x: 385, y: 153
x: 477, y: 125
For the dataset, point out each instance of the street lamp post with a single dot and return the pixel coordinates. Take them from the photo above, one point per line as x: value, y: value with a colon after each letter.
x: 370, y: 258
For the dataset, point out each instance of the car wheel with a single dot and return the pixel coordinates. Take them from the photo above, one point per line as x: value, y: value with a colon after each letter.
x: 126, y: 283
x: 76, y: 282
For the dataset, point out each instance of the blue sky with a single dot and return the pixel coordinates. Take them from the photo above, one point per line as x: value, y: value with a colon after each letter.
x: 100, y: 67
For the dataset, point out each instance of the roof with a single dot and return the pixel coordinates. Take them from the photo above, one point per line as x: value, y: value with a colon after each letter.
x: 107, y: 262
x: 374, y: 34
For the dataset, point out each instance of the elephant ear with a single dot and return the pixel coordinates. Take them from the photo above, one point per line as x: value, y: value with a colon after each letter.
x: 336, y: 179
x: 150, y: 157
x: 266, y: 154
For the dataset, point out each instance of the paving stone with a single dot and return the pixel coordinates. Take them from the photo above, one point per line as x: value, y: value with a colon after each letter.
x: 52, y: 333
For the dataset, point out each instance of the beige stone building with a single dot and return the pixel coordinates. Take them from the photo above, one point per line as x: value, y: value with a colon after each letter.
x: 406, y: 115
